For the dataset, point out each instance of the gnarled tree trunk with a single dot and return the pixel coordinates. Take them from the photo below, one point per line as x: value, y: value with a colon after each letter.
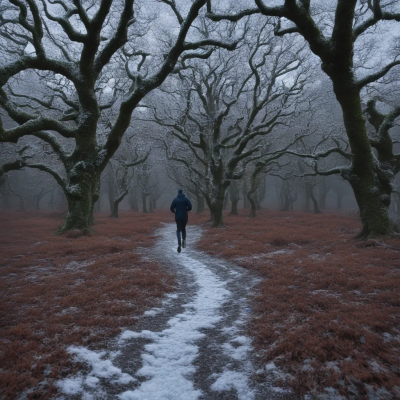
x: 371, y: 182
x: 116, y: 203
x: 216, y: 205
x: 82, y: 194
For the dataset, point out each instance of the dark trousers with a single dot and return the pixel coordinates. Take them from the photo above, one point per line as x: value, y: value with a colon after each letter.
x: 181, y: 227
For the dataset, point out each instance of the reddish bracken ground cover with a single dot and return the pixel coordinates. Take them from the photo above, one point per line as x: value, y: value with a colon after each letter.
x: 327, y: 310
x: 57, y: 290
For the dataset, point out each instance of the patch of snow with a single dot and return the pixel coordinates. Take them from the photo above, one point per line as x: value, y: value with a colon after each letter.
x: 279, y: 389
x: 100, y: 368
x: 168, y: 356
x: 71, y: 385
x: 270, y: 366
x: 157, y: 310
x: 152, y: 312
x: 78, y: 264
x: 387, y: 337
x: 238, y: 352
x: 234, y: 380
x: 333, y: 365
x: 317, y: 257
x: 92, y: 381
x: 283, y: 251
x: 70, y: 310
x: 241, y: 339
x: 167, y: 362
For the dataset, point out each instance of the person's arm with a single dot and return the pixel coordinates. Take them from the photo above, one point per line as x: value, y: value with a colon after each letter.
x: 173, y: 206
x: 188, y: 205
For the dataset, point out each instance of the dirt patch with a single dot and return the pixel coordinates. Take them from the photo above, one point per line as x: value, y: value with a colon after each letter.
x: 328, y: 308
x: 57, y: 291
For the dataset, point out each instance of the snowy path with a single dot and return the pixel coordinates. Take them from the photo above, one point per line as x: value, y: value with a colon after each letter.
x: 192, y: 347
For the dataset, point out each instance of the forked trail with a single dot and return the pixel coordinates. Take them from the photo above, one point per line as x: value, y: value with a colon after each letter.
x: 194, y: 346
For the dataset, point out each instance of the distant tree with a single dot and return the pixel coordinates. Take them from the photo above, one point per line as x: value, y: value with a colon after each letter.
x: 219, y: 113
x: 148, y: 183
x: 121, y: 172
x: 234, y: 194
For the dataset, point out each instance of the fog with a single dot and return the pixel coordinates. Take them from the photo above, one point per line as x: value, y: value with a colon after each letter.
x: 240, y: 114
x: 279, y: 121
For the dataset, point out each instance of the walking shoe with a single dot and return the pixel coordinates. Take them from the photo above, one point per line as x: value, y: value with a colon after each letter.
x: 179, y: 249
x: 184, y: 243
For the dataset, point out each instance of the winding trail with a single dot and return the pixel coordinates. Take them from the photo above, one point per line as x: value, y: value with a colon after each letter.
x: 192, y: 347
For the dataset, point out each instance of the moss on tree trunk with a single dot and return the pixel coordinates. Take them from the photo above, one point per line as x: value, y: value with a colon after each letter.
x: 371, y: 185
x: 82, y: 194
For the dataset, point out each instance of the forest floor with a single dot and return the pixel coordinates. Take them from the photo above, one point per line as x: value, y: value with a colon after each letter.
x: 286, y: 305
x: 57, y: 291
x: 327, y: 309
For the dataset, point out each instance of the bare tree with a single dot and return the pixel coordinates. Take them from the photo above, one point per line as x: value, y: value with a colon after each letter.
x: 92, y: 58
x: 337, y: 47
x: 121, y: 171
x: 228, y: 110
x: 234, y: 194
x: 182, y: 179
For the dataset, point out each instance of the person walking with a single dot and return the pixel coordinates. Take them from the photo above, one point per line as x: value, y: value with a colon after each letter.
x: 180, y: 207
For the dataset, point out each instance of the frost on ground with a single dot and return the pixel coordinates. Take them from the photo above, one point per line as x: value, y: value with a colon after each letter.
x: 168, y: 360
x: 100, y: 368
x: 167, y: 365
x: 234, y: 380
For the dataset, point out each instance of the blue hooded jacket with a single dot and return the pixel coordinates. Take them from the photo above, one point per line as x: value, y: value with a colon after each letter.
x: 180, y: 206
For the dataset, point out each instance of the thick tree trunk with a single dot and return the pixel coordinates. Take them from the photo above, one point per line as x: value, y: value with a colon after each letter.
x: 216, y: 214
x: 114, y: 210
x: 216, y: 206
x: 371, y: 184
x: 116, y: 203
x: 81, y: 197
x: 374, y: 203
